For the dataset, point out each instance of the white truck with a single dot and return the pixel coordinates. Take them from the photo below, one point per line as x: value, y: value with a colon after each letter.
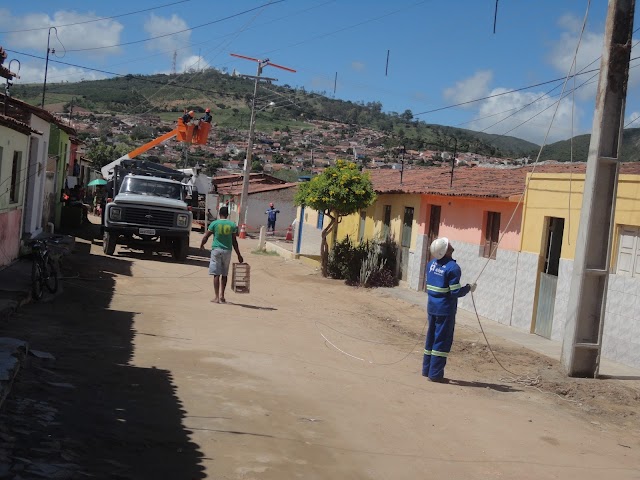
x: 148, y: 209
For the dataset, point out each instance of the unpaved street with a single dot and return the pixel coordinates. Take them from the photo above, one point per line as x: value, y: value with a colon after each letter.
x: 152, y: 381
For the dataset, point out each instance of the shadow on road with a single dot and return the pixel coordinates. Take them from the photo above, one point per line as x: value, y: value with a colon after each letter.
x: 113, y: 419
x: 253, y: 307
x: 491, y: 386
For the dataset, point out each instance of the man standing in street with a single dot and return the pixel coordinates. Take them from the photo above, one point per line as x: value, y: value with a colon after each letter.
x: 224, y: 233
x: 271, y: 218
x: 443, y: 290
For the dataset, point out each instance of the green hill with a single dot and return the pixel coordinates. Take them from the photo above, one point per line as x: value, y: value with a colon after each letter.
x: 561, y: 151
x: 168, y: 95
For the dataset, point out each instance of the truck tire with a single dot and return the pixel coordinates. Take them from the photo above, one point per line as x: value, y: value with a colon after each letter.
x: 108, y: 243
x: 180, y: 248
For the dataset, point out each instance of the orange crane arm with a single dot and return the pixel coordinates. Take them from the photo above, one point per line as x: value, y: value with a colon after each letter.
x: 153, y: 143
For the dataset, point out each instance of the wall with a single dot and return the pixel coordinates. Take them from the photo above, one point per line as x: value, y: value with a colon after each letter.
x: 59, y: 149
x: 11, y: 213
x: 259, y: 204
x: 36, y: 176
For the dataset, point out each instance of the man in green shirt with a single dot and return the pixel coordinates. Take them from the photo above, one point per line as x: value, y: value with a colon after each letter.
x: 224, y: 233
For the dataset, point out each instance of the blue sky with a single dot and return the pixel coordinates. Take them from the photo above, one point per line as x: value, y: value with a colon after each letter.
x: 441, y: 52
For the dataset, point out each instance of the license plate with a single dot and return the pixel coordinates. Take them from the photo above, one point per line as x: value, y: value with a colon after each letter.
x: 147, y: 231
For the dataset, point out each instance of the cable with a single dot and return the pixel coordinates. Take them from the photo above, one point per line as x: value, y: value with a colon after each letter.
x: 96, y: 19
x: 229, y: 17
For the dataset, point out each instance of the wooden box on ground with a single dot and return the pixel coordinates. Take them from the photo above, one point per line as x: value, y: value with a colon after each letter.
x: 241, y: 278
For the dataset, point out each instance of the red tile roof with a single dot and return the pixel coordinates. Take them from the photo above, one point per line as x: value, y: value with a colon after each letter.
x: 471, y: 181
x: 17, y: 125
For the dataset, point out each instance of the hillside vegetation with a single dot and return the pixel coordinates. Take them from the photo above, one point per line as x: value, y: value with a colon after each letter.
x: 561, y: 151
x: 230, y: 97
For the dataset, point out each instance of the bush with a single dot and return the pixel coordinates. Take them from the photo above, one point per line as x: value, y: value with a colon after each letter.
x: 368, y: 264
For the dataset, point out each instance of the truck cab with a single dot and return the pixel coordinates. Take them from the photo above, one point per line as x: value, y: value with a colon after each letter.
x: 148, y: 210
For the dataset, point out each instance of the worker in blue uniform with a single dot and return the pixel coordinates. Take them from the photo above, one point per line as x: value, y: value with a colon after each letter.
x: 443, y: 290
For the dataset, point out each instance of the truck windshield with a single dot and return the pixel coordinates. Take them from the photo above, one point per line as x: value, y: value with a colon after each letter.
x: 144, y: 186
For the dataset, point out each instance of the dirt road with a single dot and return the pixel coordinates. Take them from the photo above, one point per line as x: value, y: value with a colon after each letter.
x: 152, y: 381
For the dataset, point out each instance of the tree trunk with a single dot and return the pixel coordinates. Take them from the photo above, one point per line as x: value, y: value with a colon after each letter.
x: 324, y: 246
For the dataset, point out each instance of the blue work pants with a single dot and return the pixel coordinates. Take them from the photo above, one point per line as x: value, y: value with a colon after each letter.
x: 438, y: 345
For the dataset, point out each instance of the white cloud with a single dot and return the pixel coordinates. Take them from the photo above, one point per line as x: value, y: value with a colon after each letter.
x: 96, y: 34
x: 588, y: 58
x: 534, y: 129
x: 34, y: 73
x: 470, y: 88
x: 632, y: 119
x: 157, y: 25
x: 358, y: 66
x: 193, y: 63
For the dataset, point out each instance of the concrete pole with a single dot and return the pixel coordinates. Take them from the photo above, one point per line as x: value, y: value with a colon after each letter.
x: 262, y: 242
x: 582, y: 342
x: 244, y: 199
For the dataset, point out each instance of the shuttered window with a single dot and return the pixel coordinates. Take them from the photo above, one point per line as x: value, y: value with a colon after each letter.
x: 491, y: 235
x: 628, y: 264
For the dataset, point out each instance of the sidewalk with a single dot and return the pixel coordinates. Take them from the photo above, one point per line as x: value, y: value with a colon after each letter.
x: 543, y: 346
x: 15, y: 291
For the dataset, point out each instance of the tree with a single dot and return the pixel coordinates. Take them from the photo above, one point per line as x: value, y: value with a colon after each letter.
x: 256, y: 166
x: 102, y: 153
x: 338, y: 191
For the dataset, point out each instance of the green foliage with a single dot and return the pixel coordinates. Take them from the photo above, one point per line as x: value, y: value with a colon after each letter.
x: 290, y: 175
x: 341, y: 189
x: 368, y: 264
x: 212, y: 166
x: 102, y: 153
x: 256, y: 166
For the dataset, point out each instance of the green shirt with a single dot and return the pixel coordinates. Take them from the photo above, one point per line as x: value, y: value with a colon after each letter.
x: 223, y: 231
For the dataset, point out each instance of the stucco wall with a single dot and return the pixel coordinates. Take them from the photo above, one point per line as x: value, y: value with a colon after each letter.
x: 463, y: 219
x: 259, y: 204
x: 36, y: 177
x: 10, y: 222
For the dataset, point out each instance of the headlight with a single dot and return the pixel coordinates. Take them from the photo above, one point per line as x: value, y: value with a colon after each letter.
x: 115, y: 213
x: 183, y: 220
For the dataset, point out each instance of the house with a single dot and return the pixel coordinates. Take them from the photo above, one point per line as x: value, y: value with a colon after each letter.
x: 551, y: 218
x: 263, y: 190
x: 14, y: 157
x: 521, y: 246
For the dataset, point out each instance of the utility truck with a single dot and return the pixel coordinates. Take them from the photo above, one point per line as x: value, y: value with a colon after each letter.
x: 147, y: 207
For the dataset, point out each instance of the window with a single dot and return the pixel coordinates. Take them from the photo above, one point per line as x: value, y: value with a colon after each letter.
x: 14, y: 189
x: 407, y: 227
x: 386, y: 222
x: 491, y: 235
x: 361, y: 225
x: 320, y: 223
x: 628, y: 264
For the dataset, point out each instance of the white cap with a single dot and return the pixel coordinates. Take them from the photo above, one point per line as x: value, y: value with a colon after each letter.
x: 439, y: 247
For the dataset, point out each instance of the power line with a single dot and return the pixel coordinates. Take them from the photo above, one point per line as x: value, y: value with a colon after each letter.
x: 179, y: 31
x: 95, y: 19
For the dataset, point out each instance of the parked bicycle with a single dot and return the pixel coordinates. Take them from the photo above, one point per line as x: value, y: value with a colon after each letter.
x: 43, y: 271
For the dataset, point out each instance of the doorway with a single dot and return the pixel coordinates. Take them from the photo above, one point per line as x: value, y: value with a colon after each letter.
x: 548, y: 276
x: 405, y: 241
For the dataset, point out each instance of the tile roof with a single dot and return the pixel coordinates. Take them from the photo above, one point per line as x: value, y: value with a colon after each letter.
x: 471, y: 181
x: 17, y: 125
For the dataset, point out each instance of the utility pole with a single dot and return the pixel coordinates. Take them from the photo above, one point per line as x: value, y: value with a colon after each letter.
x: 46, y: 64
x: 244, y: 199
x: 582, y: 342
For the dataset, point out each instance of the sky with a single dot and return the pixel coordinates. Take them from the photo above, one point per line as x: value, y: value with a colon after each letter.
x: 441, y: 52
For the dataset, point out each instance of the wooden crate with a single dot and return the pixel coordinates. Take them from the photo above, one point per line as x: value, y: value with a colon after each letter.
x: 241, y: 278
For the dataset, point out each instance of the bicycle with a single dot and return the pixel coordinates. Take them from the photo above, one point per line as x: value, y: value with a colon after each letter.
x: 43, y: 270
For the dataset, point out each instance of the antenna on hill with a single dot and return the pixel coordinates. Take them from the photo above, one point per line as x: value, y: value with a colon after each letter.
x: 173, y: 63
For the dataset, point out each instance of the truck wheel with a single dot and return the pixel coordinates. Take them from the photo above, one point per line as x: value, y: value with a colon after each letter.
x: 180, y: 247
x: 108, y: 243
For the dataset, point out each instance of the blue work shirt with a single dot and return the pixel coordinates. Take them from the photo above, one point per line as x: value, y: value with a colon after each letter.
x: 443, y: 286
x: 272, y: 214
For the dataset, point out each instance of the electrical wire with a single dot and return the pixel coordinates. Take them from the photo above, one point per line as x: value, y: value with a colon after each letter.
x: 219, y: 20
x: 95, y: 19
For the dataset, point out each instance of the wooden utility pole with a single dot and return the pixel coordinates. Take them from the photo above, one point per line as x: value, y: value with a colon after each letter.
x: 587, y: 298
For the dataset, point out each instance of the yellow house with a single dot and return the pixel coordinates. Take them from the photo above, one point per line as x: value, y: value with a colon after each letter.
x: 550, y: 225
